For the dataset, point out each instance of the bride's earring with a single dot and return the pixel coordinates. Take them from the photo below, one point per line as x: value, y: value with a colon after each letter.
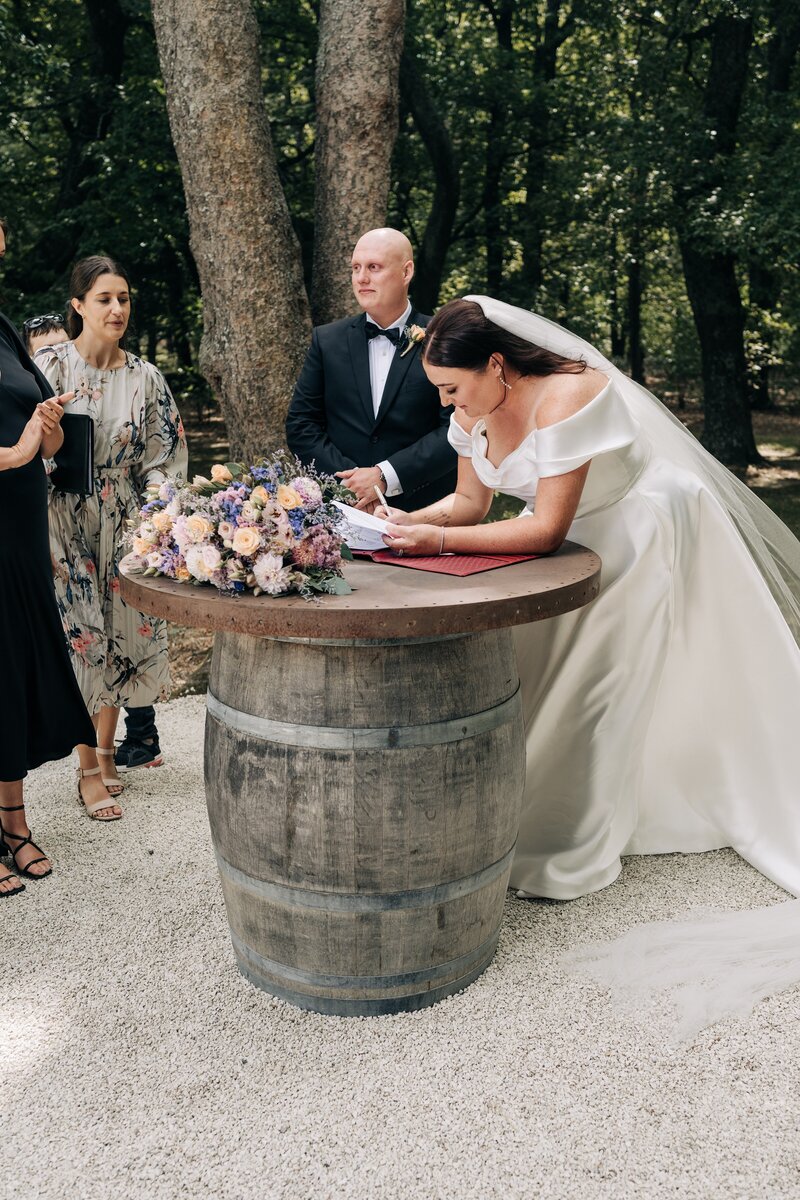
x: 502, y: 379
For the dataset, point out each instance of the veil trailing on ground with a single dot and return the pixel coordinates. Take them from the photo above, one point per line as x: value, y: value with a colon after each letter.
x: 715, y: 965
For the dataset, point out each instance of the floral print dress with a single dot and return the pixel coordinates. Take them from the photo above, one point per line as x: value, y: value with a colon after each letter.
x: 119, y: 655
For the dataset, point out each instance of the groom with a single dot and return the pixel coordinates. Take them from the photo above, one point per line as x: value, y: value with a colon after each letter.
x: 363, y: 408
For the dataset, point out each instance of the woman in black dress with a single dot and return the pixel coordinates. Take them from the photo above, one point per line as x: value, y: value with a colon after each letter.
x: 44, y: 716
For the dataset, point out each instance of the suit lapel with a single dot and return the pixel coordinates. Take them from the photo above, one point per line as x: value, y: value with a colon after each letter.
x: 402, y: 360
x: 359, y: 358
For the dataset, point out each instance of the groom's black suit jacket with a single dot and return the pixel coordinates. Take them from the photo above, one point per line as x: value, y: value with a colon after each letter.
x: 331, y: 421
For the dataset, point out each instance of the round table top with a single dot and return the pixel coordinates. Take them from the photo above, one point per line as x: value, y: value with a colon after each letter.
x: 387, y: 601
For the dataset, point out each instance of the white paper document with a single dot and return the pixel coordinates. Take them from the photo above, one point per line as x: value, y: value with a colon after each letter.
x: 362, y: 531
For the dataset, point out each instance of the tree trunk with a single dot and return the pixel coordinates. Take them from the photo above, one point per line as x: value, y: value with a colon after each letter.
x: 719, y: 317
x: 496, y: 149
x: 710, y: 272
x: 439, y: 145
x: 357, y: 93
x: 255, y: 310
x: 617, y: 328
x: 766, y: 277
x: 551, y: 37
x: 635, y: 297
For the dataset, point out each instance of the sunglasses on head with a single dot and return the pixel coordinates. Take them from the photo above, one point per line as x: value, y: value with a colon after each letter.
x: 48, y: 319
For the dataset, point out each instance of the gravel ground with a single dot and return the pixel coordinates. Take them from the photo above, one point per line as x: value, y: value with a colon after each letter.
x: 136, y: 1062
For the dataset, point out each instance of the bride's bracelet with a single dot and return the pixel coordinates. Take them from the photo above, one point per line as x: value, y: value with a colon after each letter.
x: 441, y: 543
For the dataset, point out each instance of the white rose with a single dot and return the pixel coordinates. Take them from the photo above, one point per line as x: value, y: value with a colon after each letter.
x: 212, y: 558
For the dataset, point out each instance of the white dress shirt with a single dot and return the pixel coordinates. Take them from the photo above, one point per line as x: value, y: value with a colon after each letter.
x: 381, y: 352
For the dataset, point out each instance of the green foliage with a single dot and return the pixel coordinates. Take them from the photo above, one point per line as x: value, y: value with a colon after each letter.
x: 578, y: 126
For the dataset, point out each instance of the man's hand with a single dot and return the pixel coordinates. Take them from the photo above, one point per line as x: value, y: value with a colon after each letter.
x: 363, y: 481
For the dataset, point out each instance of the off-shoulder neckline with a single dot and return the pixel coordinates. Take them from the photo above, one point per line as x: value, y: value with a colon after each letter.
x: 481, y: 442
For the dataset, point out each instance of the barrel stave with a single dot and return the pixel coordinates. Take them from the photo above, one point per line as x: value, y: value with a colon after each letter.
x: 344, y: 821
x: 371, y: 947
x: 361, y: 685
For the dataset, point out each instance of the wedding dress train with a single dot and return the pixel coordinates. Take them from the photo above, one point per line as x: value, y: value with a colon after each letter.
x: 662, y: 717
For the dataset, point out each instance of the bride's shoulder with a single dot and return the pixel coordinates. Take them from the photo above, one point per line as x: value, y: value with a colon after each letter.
x: 562, y: 396
x: 462, y: 421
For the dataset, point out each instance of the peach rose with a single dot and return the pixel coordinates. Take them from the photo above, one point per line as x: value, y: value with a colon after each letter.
x: 246, y: 540
x: 142, y: 546
x: 287, y: 497
x: 220, y: 474
x: 198, y: 527
x: 182, y: 573
x: 161, y: 521
x: 259, y: 496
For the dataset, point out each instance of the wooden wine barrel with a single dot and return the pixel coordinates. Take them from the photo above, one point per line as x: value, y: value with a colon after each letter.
x: 364, y: 767
x: 364, y: 799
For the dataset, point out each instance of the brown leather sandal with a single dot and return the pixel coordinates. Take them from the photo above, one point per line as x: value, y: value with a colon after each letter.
x: 94, y: 809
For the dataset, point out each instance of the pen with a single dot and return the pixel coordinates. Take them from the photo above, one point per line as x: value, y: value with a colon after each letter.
x: 380, y: 495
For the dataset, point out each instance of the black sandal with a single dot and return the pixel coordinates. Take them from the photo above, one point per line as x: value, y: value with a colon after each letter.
x: 23, y: 841
x: 9, y: 875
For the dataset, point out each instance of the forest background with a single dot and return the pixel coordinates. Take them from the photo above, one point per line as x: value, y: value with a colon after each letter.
x: 631, y: 170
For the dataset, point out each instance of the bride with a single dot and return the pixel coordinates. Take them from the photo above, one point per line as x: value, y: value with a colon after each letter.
x: 663, y: 716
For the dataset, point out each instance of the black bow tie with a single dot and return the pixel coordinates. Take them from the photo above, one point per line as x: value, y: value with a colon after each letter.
x: 374, y: 331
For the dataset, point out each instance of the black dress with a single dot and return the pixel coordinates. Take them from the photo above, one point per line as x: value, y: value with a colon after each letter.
x: 44, y: 716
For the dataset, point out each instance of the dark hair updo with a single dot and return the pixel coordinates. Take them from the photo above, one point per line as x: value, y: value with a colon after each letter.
x: 461, y: 336
x: 82, y: 280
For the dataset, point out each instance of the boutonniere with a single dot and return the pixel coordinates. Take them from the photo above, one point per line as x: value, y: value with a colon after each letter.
x: 415, y: 334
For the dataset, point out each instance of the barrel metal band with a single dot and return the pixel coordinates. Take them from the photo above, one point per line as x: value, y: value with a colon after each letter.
x: 296, y: 897
x: 267, y: 967
x: 395, y: 737
x: 395, y: 641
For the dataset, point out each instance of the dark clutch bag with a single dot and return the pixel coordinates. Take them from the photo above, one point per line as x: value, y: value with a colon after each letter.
x: 74, y: 469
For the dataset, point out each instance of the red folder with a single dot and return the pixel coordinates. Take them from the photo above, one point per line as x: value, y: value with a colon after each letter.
x: 446, y: 564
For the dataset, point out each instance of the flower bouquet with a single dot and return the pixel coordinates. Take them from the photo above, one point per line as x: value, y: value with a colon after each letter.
x: 270, y: 528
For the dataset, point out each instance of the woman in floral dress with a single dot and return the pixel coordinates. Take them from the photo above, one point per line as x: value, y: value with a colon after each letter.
x: 119, y: 655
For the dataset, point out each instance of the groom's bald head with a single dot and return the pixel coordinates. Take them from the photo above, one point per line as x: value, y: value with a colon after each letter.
x: 382, y: 268
x: 389, y: 241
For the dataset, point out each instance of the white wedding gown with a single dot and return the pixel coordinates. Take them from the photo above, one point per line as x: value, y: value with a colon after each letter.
x: 664, y: 715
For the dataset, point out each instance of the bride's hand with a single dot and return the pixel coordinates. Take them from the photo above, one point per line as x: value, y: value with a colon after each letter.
x: 396, y: 515
x: 414, y: 539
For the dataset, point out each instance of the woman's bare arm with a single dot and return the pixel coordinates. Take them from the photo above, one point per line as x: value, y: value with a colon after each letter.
x: 557, y: 500
x: 28, y: 445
